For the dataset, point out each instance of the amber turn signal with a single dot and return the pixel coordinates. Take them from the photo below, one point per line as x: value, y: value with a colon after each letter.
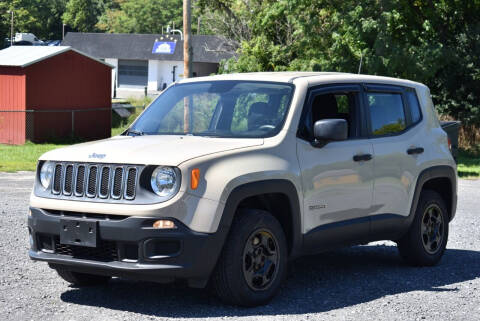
x: 194, y: 178
x: 164, y: 224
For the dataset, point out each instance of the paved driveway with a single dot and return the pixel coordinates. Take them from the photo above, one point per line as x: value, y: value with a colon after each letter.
x: 361, y: 283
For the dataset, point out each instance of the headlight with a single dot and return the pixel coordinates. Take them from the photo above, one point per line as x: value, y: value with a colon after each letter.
x: 46, y: 173
x: 165, y: 181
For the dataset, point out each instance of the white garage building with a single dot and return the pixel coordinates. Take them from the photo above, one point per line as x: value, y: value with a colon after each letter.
x: 151, y: 61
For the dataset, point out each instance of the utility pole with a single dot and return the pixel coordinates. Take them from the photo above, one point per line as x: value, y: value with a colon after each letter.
x: 63, y: 31
x: 187, y: 33
x: 187, y: 61
x: 11, y: 29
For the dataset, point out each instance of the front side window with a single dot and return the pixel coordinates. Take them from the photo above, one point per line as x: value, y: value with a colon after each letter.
x: 341, y: 105
x: 218, y: 108
x: 387, y: 115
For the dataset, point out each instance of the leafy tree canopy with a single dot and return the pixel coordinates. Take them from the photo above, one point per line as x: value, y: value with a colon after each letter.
x: 434, y: 42
x: 82, y: 15
x: 42, y: 18
x: 141, y: 16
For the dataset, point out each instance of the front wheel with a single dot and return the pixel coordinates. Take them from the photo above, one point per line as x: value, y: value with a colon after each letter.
x: 425, y: 242
x: 253, y: 262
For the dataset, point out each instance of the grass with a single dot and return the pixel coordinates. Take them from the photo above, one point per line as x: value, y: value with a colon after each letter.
x: 468, y: 164
x: 24, y: 157
x: 15, y: 158
x: 119, y: 125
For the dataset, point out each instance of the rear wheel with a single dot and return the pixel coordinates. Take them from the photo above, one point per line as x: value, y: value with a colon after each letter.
x: 425, y: 242
x: 81, y: 279
x: 253, y: 262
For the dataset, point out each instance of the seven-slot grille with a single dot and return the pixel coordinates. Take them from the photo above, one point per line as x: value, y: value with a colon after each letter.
x: 95, y: 180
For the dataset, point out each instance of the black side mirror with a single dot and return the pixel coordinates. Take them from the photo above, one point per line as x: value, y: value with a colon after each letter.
x: 328, y: 130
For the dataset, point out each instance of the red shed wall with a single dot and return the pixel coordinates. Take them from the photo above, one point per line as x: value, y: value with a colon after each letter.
x: 12, y: 97
x: 69, y: 81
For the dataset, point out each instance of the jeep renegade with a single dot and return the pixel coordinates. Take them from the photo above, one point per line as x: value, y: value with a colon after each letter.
x: 222, y: 180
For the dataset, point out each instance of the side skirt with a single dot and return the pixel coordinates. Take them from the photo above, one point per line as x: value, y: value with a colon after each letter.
x: 355, y: 231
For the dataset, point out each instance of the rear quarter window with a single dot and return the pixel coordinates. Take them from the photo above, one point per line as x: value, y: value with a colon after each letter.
x: 414, y: 106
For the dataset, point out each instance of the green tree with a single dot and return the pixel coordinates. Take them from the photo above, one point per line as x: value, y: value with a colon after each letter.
x: 434, y: 42
x: 82, y: 15
x: 141, y: 16
x: 42, y: 18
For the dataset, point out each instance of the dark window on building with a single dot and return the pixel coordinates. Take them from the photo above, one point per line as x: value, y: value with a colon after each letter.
x: 132, y: 73
x: 387, y: 115
x: 414, y: 106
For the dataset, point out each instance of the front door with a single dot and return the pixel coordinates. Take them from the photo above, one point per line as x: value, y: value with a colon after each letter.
x: 337, y: 178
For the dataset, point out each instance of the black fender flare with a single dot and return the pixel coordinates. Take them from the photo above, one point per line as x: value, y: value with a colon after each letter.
x: 430, y: 173
x: 281, y: 186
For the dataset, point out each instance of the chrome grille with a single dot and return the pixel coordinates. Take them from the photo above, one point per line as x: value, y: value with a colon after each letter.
x: 95, y: 181
x: 117, y: 183
x: 67, y: 184
x: 57, y: 179
x: 80, y: 180
x: 131, y: 179
x: 92, y: 181
x: 104, y: 182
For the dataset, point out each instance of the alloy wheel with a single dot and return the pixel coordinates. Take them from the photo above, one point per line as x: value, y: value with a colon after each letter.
x: 432, y: 229
x: 260, y: 259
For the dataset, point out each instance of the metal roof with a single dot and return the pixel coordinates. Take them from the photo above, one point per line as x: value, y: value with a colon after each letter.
x: 206, y: 48
x: 23, y: 56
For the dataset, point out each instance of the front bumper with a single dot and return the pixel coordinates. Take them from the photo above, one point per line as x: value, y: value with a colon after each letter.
x: 127, y: 247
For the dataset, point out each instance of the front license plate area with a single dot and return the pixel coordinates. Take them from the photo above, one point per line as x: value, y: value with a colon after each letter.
x: 76, y: 232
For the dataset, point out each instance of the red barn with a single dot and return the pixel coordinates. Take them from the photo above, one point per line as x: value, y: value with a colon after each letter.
x: 51, y: 93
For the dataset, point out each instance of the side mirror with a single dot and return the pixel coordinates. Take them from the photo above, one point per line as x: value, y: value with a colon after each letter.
x: 328, y: 130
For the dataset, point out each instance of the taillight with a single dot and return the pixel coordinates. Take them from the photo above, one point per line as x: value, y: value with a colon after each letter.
x: 449, y: 144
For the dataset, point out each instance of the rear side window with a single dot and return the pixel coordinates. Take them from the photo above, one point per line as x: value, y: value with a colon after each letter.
x: 414, y: 106
x: 387, y: 115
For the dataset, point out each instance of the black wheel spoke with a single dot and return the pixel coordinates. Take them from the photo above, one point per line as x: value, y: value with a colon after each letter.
x: 432, y: 229
x: 260, y: 259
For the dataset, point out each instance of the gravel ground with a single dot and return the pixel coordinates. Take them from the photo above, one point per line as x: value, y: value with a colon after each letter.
x: 361, y: 283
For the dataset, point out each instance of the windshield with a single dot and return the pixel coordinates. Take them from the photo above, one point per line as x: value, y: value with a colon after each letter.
x: 217, y: 108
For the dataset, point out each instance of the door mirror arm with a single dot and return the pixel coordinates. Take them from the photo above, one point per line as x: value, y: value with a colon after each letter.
x: 319, y: 143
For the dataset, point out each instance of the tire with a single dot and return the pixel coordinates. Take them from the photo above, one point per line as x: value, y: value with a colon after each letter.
x: 426, y: 240
x: 81, y: 279
x: 253, y: 262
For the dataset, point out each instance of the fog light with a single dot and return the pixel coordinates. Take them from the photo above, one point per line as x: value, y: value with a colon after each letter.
x: 164, y: 224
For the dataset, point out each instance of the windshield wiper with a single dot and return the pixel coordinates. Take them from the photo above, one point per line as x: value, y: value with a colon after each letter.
x: 135, y: 132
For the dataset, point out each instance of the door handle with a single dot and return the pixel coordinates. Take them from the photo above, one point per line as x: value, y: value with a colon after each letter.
x: 362, y: 157
x: 415, y: 150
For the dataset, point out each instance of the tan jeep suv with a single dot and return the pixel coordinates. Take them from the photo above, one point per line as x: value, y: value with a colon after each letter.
x: 225, y: 179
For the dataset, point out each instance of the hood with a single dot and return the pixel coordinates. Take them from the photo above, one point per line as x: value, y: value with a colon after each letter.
x: 148, y: 150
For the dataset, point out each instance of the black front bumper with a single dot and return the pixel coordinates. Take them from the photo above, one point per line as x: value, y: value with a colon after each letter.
x: 127, y: 247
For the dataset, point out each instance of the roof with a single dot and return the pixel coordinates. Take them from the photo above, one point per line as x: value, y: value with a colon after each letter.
x: 206, y: 48
x: 310, y: 77
x: 23, y: 56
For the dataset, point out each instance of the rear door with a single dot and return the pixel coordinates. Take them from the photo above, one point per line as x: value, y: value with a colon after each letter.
x: 337, y: 183
x: 393, y: 115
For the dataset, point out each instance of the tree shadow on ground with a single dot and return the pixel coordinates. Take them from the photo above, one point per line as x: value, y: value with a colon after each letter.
x: 317, y: 283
